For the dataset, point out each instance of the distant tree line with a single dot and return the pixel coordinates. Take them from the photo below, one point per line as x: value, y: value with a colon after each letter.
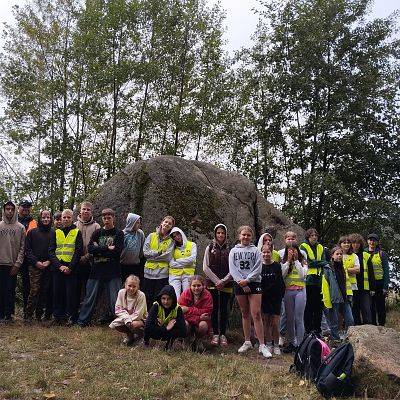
x: 310, y: 112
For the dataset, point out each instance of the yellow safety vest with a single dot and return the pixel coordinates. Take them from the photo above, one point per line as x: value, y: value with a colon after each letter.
x: 365, y: 273
x: 186, y: 252
x: 349, y: 262
x: 66, y: 244
x: 157, y: 246
x: 311, y: 256
x: 293, y: 279
x: 326, y: 296
x: 161, y: 314
x: 275, y: 256
x: 376, y: 263
x: 349, y: 290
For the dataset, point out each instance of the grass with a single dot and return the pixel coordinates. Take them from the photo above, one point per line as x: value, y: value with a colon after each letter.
x: 69, y: 363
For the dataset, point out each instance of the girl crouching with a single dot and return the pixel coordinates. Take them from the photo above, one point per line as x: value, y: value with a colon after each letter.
x: 130, y: 310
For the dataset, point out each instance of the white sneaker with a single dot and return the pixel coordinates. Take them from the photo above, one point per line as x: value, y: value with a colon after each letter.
x: 277, y: 350
x: 281, y: 341
x: 263, y: 349
x: 245, y: 347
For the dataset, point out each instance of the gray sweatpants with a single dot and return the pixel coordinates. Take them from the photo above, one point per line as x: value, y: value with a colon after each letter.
x: 295, y: 304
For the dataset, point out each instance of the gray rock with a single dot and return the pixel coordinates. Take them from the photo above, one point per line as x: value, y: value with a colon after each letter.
x: 376, y: 360
x: 198, y: 195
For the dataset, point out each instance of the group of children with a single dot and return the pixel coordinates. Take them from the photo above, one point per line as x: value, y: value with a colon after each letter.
x: 286, y: 293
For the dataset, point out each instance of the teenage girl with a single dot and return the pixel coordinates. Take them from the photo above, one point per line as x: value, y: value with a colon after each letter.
x: 273, y: 290
x: 197, y: 304
x: 266, y: 238
x: 245, y: 267
x: 157, y: 249
x: 130, y: 309
x: 351, y: 262
x: 219, y: 282
x: 294, y: 272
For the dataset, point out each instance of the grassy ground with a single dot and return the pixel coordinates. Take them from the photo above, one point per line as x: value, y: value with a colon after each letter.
x: 66, y: 363
x: 70, y: 363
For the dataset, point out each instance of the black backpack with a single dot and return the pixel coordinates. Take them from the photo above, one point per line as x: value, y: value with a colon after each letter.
x: 334, y: 375
x: 307, y: 358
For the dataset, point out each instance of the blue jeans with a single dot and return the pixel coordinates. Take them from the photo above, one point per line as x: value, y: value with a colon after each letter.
x: 93, y: 287
x: 333, y: 317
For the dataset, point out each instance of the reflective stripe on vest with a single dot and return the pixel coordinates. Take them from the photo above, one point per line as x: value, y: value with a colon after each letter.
x: 377, y: 264
x: 311, y: 256
x: 185, y: 253
x: 157, y: 246
x: 293, y: 279
x: 161, y: 314
x: 348, y: 262
x: 66, y: 244
x: 365, y: 266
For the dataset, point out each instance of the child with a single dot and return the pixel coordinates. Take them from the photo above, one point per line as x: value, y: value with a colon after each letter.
x: 130, y: 309
x: 165, y: 320
x: 294, y: 273
x: 219, y: 282
x: 183, y: 264
x: 273, y: 290
x: 157, y: 249
x: 336, y: 291
x: 266, y: 238
x: 197, y: 305
x: 133, y: 247
x: 245, y: 268
x: 361, y: 297
x: 37, y: 255
x: 316, y: 258
x: 351, y: 263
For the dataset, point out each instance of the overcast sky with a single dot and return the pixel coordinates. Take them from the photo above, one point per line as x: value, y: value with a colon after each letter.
x: 240, y: 20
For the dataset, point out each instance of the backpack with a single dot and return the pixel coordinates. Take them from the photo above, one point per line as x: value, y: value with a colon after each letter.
x: 334, y: 375
x: 309, y: 356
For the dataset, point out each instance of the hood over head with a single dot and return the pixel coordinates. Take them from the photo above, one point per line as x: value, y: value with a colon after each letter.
x: 130, y: 221
x: 224, y: 228
x: 13, y: 220
x: 170, y: 291
x: 40, y: 223
x: 261, y: 240
x: 184, y: 238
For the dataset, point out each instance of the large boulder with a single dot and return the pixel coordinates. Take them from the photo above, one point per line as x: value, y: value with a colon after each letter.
x: 198, y: 195
x: 376, y: 362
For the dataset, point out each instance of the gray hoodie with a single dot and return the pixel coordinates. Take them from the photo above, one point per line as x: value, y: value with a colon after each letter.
x: 12, y: 240
x: 133, y: 242
x: 183, y: 262
x: 245, y: 263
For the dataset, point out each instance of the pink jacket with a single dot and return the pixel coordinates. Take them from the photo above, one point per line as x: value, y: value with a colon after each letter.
x: 203, y: 306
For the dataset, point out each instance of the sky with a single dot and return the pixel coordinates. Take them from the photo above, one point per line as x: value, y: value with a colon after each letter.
x: 240, y: 19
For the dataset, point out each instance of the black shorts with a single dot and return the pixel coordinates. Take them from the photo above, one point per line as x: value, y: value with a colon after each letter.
x: 271, y: 306
x: 255, y: 288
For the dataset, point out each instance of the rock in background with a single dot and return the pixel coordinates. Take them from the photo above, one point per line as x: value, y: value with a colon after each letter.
x: 376, y: 361
x: 198, y: 195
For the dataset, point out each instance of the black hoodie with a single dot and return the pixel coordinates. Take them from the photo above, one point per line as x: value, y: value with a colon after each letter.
x: 38, y: 241
x: 151, y: 321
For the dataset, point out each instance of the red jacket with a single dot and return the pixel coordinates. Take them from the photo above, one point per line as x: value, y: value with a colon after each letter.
x: 203, y: 306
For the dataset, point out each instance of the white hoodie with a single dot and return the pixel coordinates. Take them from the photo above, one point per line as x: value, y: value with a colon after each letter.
x: 183, y: 262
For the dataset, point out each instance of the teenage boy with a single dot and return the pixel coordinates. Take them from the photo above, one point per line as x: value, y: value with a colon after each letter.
x: 65, y: 251
x: 105, y: 246
x: 87, y: 225
x: 378, y: 268
x: 12, y: 247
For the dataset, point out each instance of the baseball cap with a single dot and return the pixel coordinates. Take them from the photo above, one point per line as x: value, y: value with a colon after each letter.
x: 25, y: 203
x: 373, y: 236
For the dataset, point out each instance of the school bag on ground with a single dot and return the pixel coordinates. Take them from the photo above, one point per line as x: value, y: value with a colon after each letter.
x: 309, y: 355
x: 334, y: 375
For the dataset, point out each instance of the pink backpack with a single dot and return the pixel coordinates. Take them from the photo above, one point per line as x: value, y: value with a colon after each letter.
x: 325, y: 350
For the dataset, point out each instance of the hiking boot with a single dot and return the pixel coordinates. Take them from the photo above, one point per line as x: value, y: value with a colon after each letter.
x: 263, y: 349
x: 223, y: 341
x: 290, y: 348
x: 246, y: 346
x: 276, y: 350
x: 215, y: 340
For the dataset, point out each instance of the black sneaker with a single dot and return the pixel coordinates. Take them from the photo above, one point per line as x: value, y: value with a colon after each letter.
x: 290, y: 348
